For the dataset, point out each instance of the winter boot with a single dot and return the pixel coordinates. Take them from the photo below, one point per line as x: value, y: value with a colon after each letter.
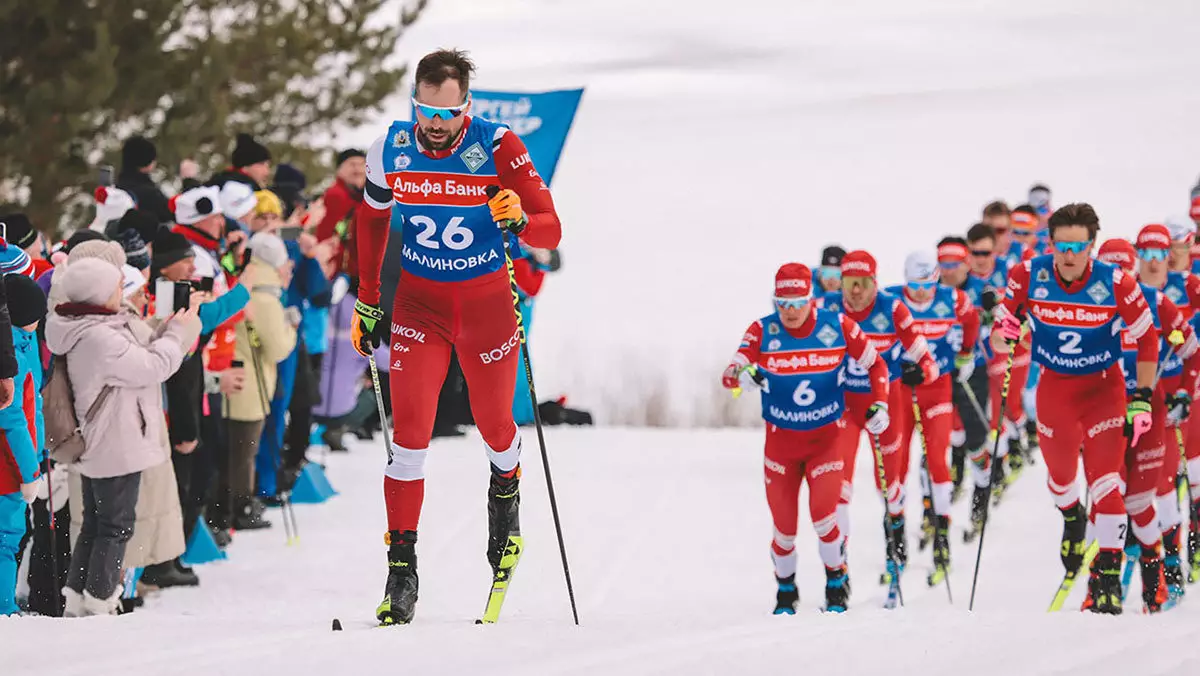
x: 73, y: 606
x: 1154, y: 586
x: 249, y: 515
x: 1104, y: 585
x: 332, y: 436
x: 504, y: 500
x: 837, y: 590
x: 1074, y: 531
x: 166, y: 574
x: 95, y: 606
x: 1172, y: 565
x: 786, y: 597
x: 400, y: 592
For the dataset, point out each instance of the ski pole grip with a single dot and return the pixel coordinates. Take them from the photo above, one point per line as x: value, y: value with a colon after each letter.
x: 492, y: 191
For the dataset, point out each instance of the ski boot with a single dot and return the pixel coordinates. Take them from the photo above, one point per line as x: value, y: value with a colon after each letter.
x: 837, y: 589
x: 1031, y: 439
x: 1194, y: 545
x: 941, y: 550
x: 505, y: 543
x: 786, y: 597
x: 1000, y: 480
x: 979, y: 499
x: 400, y: 592
x: 1172, y: 565
x: 927, y: 520
x: 897, y: 539
x: 958, y: 471
x: 1074, y: 531
x: 1154, y: 586
x: 1104, y: 584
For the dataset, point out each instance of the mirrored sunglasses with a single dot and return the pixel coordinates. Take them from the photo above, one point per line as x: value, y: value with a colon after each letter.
x: 826, y: 272
x: 921, y: 286
x: 439, y: 112
x: 1152, y: 254
x: 794, y: 302
x: 1072, y: 247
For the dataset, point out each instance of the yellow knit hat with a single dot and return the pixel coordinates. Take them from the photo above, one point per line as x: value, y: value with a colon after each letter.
x: 268, y: 203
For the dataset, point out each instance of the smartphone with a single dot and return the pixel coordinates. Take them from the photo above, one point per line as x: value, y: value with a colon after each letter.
x: 182, y: 296
x: 239, y: 364
x: 164, y: 298
x: 290, y: 232
x: 105, y: 175
x: 204, y: 284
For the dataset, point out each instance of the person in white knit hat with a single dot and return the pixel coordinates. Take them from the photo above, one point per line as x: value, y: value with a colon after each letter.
x: 111, y: 205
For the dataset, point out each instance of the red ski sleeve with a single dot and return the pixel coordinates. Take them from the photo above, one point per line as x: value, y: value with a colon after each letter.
x: 1135, y: 311
x: 1171, y: 317
x: 372, y: 238
x: 968, y: 315
x: 859, y: 347
x: 516, y: 172
x: 915, y: 347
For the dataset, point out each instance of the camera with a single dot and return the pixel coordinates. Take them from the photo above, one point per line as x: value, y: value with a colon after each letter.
x: 170, y: 297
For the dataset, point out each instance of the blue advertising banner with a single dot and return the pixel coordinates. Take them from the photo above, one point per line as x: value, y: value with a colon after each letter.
x: 541, y: 119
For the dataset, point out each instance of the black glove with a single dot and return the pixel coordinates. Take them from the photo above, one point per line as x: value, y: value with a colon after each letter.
x: 1179, y: 406
x: 911, y: 374
x: 988, y: 299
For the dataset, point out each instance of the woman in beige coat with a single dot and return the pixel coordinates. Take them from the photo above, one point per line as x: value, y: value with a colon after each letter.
x: 104, y: 354
x: 262, y: 342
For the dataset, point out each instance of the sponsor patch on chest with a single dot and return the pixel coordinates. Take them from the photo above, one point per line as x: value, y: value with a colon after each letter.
x: 474, y: 157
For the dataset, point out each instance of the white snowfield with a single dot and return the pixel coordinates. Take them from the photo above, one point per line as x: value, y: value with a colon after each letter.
x: 717, y: 140
x: 668, y: 536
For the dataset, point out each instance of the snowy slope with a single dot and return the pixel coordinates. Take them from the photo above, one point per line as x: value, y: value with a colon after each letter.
x: 668, y: 535
x: 719, y: 139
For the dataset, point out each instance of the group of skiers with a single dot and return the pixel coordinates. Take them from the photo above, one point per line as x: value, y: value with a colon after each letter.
x: 1028, y: 332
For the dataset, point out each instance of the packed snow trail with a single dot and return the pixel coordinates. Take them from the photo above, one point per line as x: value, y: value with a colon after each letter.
x: 668, y: 534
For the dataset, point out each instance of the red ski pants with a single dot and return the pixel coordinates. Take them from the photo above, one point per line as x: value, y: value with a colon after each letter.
x: 476, y: 319
x: 789, y: 458
x: 1143, y: 472
x: 937, y: 418
x: 1087, y: 410
x: 855, y: 418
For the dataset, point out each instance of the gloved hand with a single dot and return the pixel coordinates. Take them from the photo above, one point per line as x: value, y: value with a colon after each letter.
x: 964, y: 364
x: 988, y: 299
x: 738, y: 377
x: 29, y: 491
x: 56, y: 479
x: 918, y: 374
x: 367, y: 331
x: 506, y: 211
x: 1009, y: 327
x: 877, y: 418
x: 1137, y: 415
x: 1179, y: 405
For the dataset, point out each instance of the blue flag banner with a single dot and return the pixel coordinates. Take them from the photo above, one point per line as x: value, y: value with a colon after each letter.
x: 541, y: 119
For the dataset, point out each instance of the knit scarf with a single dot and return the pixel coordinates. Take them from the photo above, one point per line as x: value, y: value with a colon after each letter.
x: 195, y: 236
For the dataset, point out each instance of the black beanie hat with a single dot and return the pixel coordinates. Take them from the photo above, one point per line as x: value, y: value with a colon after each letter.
x: 136, y: 253
x: 832, y: 256
x: 80, y: 237
x: 348, y: 153
x: 138, y: 152
x: 170, y: 247
x: 26, y: 300
x: 247, y: 151
x: 144, y: 222
x: 18, y: 230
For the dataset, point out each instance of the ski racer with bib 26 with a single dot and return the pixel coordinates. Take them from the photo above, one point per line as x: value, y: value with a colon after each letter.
x: 798, y: 357
x: 1146, y: 464
x: 945, y: 317
x: 889, y: 326
x: 1076, y: 307
x: 427, y: 181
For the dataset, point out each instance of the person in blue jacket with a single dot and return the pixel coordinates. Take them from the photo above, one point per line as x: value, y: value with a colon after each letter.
x: 22, y: 437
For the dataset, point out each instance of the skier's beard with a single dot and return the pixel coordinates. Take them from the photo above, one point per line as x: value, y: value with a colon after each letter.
x: 443, y: 141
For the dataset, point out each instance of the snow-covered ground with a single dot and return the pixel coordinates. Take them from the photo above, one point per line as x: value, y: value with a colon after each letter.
x: 717, y: 140
x: 668, y: 536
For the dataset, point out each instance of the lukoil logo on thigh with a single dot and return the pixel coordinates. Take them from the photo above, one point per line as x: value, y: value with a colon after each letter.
x: 501, y: 352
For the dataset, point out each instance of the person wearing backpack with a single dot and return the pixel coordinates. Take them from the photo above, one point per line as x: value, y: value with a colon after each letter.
x: 22, y: 442
x: 108, y: 366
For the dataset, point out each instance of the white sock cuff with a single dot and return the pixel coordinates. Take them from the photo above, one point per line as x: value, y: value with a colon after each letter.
x: 507, y: 459
x: 785, y: 565
x: 407, y: 464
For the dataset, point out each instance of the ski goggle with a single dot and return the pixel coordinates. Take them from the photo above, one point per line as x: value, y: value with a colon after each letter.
x: 1152, y: 254
x: 1072, y: 247
x: 921, y: 286
x: 439, y: 112
x: 793, y: 302
x: 828, y: 272
x: 981, y: 253
x: 950, y: 265
x: 1022, y: 232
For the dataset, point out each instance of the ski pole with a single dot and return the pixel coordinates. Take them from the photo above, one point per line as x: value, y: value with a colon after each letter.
x: 1004, y: 387
x: 492, y: 191
x: 920, y: 429
x: 291, y: 532
x: 383, y: 423
x: 56, y: 592
x: 893, y: 556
